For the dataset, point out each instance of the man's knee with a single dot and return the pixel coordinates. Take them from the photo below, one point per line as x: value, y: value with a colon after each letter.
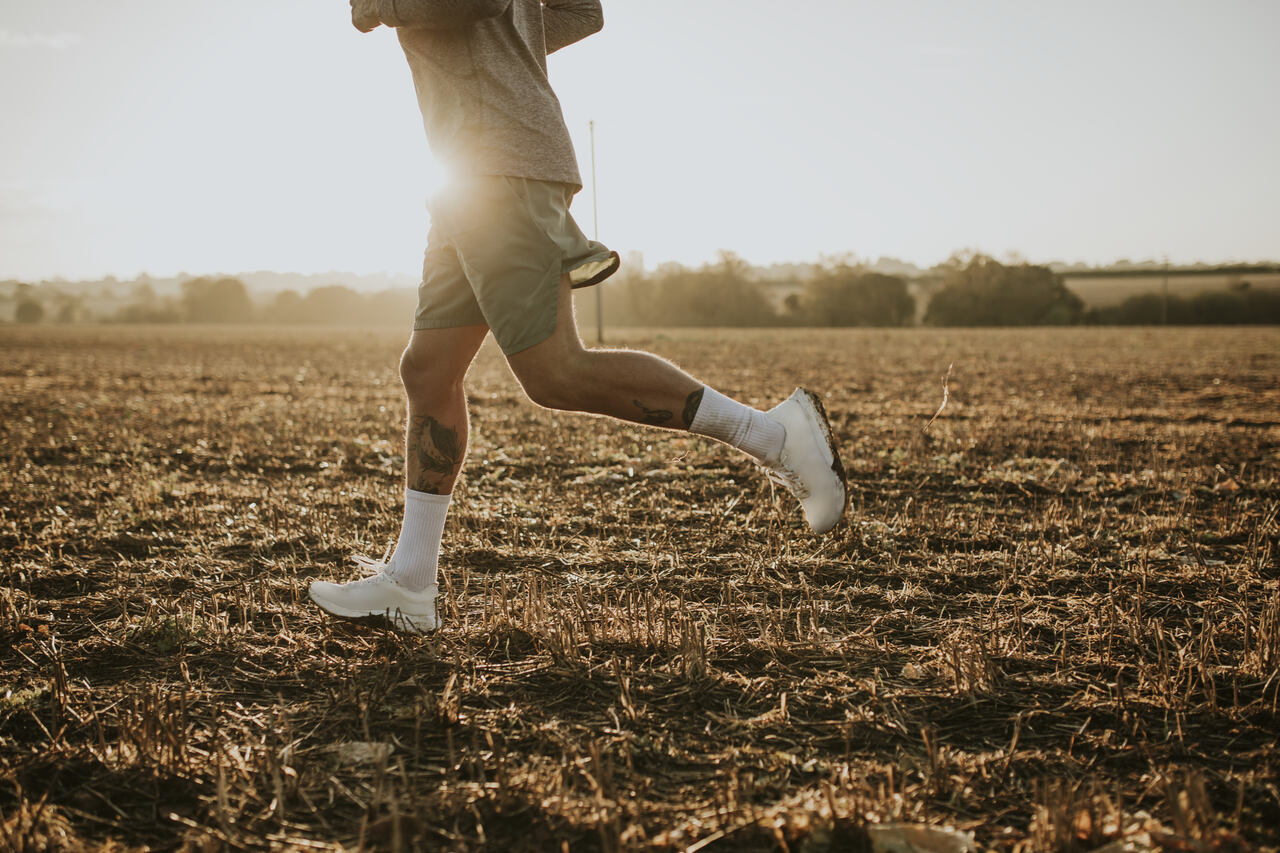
x: 423, y: 372
x: 553, y: 373
x: 413, y: 367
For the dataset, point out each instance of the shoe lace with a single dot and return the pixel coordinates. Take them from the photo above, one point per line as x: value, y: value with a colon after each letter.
x: 784, y: 476
x: 375, y: 569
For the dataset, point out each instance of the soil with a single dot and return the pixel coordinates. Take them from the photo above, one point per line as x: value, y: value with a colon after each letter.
x: 1052, y: 619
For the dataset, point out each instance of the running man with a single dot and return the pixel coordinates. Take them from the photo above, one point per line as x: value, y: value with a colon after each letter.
x: 503, y: 256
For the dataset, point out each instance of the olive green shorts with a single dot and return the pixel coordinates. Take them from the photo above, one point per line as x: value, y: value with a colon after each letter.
x: 496, y: 252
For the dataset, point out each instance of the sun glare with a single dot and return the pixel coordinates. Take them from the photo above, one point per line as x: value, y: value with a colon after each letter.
x: 436, y: 176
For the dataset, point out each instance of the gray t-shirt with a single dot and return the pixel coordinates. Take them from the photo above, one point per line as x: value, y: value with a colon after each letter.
x: 480, y: 71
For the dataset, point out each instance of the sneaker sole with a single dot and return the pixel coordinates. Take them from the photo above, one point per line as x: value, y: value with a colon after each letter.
x: 410, y: 623
x: 837, y: 467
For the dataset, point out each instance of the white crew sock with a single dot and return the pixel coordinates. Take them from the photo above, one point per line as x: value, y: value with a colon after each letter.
x: 750, y: 430
x: 414, y: 562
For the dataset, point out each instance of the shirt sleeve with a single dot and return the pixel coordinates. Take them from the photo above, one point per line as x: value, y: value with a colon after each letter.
x: 438, y: 14
x: 568, y: 21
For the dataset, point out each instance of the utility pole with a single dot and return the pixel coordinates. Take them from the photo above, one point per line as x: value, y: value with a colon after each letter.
x: 1164, y: 302
x: 595, y: 231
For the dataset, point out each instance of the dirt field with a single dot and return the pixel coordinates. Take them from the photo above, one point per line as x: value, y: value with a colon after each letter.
x: 1053, y: 620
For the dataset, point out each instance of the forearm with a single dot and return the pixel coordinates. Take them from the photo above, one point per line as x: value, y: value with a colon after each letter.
x: 568, y: 21
x: 438, y: 14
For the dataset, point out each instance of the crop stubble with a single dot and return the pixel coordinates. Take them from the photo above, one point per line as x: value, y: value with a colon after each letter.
x: 1058, y: 608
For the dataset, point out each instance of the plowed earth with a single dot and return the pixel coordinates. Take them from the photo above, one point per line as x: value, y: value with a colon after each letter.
x: 1052, y: 620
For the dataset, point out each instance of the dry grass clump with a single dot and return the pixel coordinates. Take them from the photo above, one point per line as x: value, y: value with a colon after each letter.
x: 1052, y: 620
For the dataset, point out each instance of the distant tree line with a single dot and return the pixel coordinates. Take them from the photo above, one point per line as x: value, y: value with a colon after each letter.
x: 29, y: 307
x: 726, y: 293
x: 227, y: 300
x: 981, y: 291
x: 1242, y: 306
x: 966, y: 290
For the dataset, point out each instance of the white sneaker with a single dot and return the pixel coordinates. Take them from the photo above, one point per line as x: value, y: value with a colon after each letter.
x: 379, y: 595
x: 809, y: 465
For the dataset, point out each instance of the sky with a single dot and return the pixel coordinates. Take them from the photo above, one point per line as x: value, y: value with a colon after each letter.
x: 170, y: 137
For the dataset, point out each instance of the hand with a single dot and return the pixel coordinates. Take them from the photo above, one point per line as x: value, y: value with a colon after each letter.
x: 364, y: 15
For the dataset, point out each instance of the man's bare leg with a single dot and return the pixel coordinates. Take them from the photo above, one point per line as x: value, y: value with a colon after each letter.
x: 560, y: 373
x: 432, y: 368
x: 793, y: 441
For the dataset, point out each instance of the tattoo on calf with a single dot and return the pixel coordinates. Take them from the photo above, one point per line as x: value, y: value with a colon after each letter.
x: 691, y: 404
x: 653, y: 417
x: 435, y: 447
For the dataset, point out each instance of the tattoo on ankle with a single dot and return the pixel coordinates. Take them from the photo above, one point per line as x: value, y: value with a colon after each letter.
x: 653, y: 417
x: 691, y: 404
x: 435, y: 447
